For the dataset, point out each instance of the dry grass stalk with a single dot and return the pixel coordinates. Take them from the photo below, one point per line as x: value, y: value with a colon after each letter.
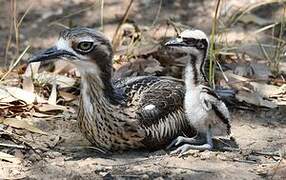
x: 125, y: 16
x: 15, y: 64
x: 212, y: 47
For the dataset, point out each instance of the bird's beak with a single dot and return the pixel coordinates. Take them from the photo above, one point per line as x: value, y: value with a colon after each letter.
x: 176, y: 42
x: 48, y: 54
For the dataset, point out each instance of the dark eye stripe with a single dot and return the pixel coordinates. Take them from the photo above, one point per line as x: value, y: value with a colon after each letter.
x: 190, y: 41
x: 198, y: 43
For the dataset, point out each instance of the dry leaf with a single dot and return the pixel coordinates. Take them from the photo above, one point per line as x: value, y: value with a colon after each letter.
x: 67, y: 96
x: 63, y: 67
x: 28, y: 84
x: 60, y: 80
x: 11, y: 94
x: 41, y: 115
x: 282, y: 66
x: 265, y: 90
x: 5, y: 96
x: 243, y: 70
x: 273, y: 170
x: 251, y: 18
x: 50, y: 108
x: 261, y: 70
x: 254, y: 98
x: 10, y: 158
x: 23, y: 124
x: 255, y: 50
x: 53, y: 97
x: 32, y: 69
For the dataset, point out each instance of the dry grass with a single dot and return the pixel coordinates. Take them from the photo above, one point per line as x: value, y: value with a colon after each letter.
x: 15, y: 26
x: 212, y: 54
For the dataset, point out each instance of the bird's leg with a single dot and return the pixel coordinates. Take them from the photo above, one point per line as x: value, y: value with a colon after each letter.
x: 182, y: 150
x: 198, y: 139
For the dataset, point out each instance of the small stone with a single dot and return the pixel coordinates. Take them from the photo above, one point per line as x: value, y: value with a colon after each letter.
x: 159, y: 178
x: 145, y: 176
x: 106, y: 175
x: 206, y: 155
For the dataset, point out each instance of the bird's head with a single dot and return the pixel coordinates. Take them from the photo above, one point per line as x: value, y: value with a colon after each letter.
x: 87, y: 48
x: 192, y: 42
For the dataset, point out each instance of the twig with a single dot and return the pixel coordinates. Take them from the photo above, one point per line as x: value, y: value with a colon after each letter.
x: 157, y: 14
x: 19, y: 139
x: 125, y: 16
x: 276, y: 168
x: 60, y: 25
x: 101, y: 14
x: 220, y: 68
x: 98, y: 149
x: 15, y: 23
x: 244, y: 161
x: 261, y: 153
x: 190, y: 169
x: 10, y: 35
x: 72, y: 14
x: 175, y: 26
x: 24, y: 15
x: 13, y: 146
x: 16, y: 63
x: 135, y: 162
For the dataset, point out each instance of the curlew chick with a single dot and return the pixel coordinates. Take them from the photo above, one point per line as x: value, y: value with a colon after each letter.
x: 205, y: 111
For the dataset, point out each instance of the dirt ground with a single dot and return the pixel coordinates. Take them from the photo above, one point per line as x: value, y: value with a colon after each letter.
x: 260, y: 141
x: 65, y: 154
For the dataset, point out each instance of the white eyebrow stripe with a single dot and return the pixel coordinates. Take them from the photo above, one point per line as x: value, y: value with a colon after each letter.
x: 86, y: 39
x: 64, y: 45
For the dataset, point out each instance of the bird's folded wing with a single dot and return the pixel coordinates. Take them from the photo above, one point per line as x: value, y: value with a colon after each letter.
x: 159, y: 100
x: 152, y: 98
x: 211, y: 101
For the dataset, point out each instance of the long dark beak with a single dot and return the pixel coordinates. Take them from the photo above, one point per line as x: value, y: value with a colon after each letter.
x: 176, y: 42
x: 48, y: 54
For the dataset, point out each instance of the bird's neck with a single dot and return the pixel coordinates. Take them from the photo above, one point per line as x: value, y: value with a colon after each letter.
x: 96, y: 112
x: 105, y: 124
x: 97, y: 87
x: 194, y: 71
x: 96, y: 82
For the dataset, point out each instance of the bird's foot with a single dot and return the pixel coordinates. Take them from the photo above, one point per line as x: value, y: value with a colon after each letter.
x: 181, y: 139
x: 183, y: 150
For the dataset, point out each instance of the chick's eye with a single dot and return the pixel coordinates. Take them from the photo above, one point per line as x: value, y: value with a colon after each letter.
x: 190, y: 41
x: 200, y: 45
x: 85, y: 46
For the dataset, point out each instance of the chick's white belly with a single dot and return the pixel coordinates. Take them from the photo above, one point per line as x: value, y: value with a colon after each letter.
x: 196, y: 114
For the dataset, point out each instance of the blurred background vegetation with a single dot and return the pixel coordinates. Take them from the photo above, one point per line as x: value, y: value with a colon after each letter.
x: 255, y: 27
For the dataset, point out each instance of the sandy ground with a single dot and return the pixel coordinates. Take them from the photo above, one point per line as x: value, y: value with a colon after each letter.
x: 260, y: 140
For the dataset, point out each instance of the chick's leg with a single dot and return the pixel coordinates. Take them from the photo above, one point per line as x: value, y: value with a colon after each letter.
x: 182, y: 150
x: 198, y: 139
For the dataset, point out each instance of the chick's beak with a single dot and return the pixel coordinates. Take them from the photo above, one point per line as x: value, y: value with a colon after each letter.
x: 48, y: 54
x: 176, y: 42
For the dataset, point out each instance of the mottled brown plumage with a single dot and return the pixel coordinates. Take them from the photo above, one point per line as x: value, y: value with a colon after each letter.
x: 141, y: 112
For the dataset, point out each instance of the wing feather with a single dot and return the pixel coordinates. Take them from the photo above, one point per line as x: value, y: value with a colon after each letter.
x: 158, y: 105
x: 211, y: 101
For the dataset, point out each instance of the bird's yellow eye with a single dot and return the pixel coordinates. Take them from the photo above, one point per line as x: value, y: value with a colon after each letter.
x: 85, y: 46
